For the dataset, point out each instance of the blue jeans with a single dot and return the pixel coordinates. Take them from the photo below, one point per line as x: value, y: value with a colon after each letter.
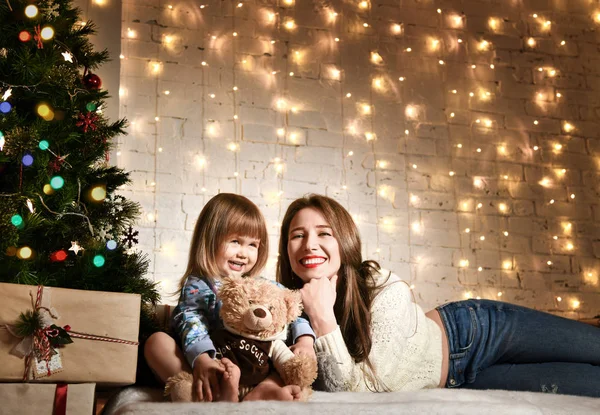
x: 495, y: 345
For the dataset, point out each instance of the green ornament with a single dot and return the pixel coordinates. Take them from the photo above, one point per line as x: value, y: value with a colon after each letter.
x: 99, y: 261
x: 90, y: 106
x: 44, y: 145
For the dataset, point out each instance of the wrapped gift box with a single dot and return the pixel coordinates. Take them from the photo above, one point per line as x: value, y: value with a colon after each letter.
x: 28, y: 399
x: 111, y: 315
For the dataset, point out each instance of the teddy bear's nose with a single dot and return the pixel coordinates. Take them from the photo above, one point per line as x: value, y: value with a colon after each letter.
x: 260, y: 313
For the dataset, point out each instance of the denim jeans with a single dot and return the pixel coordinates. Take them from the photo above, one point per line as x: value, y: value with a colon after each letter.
x: 495, y: 345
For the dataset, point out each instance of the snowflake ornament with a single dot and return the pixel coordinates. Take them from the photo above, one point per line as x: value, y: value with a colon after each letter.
x: 104, y: 233
x: 52, y: 10
x: 130, y: 237
x: 87, y: 121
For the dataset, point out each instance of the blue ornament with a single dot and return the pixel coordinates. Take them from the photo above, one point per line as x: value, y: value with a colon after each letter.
x: 111, y: 245
x: 27, y: 160
x: 5, y: 107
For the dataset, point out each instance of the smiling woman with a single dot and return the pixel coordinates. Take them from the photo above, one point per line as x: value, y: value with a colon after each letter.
x: 366, y: 322
x: 313, y: 250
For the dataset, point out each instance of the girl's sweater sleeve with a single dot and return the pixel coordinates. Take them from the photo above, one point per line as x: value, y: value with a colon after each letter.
x: 192, y: 318
x: 392, y: 322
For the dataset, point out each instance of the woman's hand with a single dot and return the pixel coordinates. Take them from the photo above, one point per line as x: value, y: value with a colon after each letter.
x: 318, y: 297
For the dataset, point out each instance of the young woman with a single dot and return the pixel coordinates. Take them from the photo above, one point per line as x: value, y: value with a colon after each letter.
x: 365, y: 319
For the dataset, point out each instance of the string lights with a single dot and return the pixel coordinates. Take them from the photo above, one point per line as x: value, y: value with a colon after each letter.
x: 359, y: 108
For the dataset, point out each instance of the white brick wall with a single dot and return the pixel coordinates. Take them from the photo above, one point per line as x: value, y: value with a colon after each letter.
x: 470, y: 143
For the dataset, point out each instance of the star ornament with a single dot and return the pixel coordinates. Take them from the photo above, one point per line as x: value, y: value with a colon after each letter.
x: 75, y: 247
x: 7, y: 94
x: 68, y: 57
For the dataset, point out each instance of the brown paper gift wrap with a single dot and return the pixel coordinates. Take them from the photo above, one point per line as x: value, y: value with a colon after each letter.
x: 98, y: 313
x: 28, y: 399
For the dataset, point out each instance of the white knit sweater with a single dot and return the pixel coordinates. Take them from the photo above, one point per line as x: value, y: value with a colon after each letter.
x: 407, y: 346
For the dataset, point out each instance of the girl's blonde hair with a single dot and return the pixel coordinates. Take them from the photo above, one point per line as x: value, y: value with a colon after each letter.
x: 223, y: 215
x: 356, y: 286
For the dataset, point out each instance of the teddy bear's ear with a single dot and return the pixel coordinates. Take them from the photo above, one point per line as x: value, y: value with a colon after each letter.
x: 293, y: 301
x: 231, y: 287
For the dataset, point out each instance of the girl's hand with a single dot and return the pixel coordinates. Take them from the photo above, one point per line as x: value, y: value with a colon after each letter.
x: 318, y: 297
x: 206, y: 383
x: 304, y: 346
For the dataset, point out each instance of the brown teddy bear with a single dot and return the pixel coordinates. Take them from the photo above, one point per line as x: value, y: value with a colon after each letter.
x: 255, y: 314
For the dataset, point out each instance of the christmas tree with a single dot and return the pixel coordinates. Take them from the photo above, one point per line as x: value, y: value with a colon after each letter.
x: 62, y: 224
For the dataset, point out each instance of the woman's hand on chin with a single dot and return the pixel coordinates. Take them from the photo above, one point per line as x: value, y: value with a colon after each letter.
x: 318, y: 297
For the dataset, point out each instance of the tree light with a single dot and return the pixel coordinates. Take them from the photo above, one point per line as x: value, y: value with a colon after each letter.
x: 31, y: 11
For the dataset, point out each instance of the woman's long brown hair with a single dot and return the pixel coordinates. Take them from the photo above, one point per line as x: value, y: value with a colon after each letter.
x: 355, y: 285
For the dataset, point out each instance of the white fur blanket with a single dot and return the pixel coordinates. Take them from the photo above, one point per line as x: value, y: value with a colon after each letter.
x: 144, y: 401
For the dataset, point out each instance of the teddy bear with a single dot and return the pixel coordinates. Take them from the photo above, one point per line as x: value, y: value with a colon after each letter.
x: 255, y: 314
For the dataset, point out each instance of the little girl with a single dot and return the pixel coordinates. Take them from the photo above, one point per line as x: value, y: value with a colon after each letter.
x: 230, y: 238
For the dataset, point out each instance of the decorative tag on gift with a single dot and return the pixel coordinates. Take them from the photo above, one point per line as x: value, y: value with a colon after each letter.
x: 42, y: 368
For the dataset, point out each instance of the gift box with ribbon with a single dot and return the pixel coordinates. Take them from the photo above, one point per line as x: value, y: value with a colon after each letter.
x: 47, y: 399
x: 55, y: 335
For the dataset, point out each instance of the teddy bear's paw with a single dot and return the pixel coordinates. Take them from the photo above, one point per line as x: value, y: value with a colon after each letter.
x: 306, y: 394
x: 300, y: 370
x: 179, y: 387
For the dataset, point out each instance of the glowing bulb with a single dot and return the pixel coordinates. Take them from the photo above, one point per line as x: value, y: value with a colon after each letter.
x: 98, y: 193
x: 482, y: 238
x: 531, y: 42
x: 47, y: 33
x: 502, y: 207
x: 24, y: 252
x: 290, y: 24
x: 505, y: 233
x: 363, y: 4
x: 451, y: 173
x: 376, y: 58
x: 570, y: 246
x: 467, y: 230
x: 464, y: 263
x: 31, y: 11
x: 396, y: 28
x: 558, y: 147
x: 568, y: 127
x: 549, y: 262
x: 507, y: 264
